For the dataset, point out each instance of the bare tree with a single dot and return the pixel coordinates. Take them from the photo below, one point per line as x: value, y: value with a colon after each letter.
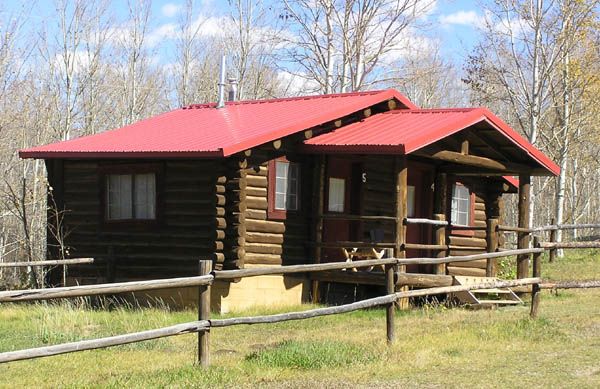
x: 252, y: 40
x: 523, y: 63
x: 344, y: 45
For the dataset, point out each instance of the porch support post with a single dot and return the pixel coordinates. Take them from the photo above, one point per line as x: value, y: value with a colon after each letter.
x: 491, y: 239
x: 401, y: 171
x: 440, y: 203
x: 318, y: 212
x: 492, y: 234
x: 523, y: 237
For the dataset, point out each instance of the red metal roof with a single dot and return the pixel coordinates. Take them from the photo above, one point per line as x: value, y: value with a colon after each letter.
x: 203, y: 131
x: 513, y: 181
x: 406, y: 131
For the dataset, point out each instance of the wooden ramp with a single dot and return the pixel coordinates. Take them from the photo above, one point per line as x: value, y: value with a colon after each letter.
x: 484, y: 298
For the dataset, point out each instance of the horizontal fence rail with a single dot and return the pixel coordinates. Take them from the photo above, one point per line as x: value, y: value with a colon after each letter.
x: 100, y: 289
x: 583, y: 284
x: 571, y: 245
x: 253, y: 272
x: 515, y: 229
x: 335, y: 216
x: 83, y: 345
x: 425, y: 221
x: 566, y: 227
x: 58, y: 262
x: 351, y: 245
x: 372, y: 302
x: 467, y: 258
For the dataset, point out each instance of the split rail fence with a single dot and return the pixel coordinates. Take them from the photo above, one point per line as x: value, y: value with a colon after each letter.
x: 207, y: 277
x: 58, y: 262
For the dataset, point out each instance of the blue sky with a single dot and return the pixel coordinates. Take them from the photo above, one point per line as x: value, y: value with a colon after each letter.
x: 451, y: 20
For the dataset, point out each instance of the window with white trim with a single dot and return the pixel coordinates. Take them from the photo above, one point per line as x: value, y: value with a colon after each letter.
x: 131, y: 196
x: 461, y: 206
x: 286, y: 186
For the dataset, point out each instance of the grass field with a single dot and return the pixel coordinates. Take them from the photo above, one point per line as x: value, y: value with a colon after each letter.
x: 436, y: 346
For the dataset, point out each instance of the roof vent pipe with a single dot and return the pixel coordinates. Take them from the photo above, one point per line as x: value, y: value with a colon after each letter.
x: 233, y: 89
x: 221, y: 101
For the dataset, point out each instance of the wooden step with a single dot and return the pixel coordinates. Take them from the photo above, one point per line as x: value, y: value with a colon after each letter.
x: 489, y: 291
x: 500, y: 302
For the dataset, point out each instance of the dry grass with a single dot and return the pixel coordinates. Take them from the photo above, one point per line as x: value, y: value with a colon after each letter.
x: 436, y: 347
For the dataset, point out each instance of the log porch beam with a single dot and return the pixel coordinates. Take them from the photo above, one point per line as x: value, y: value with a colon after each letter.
x: 475, y: 161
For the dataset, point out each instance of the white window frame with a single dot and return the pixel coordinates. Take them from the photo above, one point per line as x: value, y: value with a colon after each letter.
x: 288, y: 180
x: 461, y: 205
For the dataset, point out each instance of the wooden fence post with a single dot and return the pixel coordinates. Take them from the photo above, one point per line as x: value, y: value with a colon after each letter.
x: 390, y: 282
x: 319, y: 183
x: 537, y: 272
x: 401, y: 177
x: 440, y: 239
x: 205, y: 267
x: 491, y: 238
x: 553, y: 232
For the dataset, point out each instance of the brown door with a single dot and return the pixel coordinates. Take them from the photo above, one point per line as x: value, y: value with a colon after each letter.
x: 420, y: 205
x: 342, y: 196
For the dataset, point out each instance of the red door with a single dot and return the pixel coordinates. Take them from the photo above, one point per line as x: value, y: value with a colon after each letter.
x: 342, y: 196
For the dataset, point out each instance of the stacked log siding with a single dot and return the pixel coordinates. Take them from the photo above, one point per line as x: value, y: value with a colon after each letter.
x: 191, y: 226
x: 270, y: 241
x: 475, y: 242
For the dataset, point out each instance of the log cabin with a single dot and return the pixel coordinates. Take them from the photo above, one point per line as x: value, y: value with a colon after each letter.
x: 285, y: 181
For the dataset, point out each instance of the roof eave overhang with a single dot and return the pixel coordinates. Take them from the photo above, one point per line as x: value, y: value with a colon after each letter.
x: 352, y: 149
x: 484, y: 115
x: 24, y: 154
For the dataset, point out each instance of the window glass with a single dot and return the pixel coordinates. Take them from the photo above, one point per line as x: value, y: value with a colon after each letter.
x: 145, y: 193
x: 119, y: 196
x: 337, y: 191
x: 131, y: 196
x: 461, y: 206
x: 286, y: 185
x: 410, y: 201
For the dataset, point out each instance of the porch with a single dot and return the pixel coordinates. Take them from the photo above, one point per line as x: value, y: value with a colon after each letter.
x: 390, y: 193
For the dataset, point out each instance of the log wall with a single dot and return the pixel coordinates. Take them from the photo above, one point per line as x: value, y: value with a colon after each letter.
x: 379, y: 195
x: 192, y: 225
x: 474, y: 242
x: 270, y: 241
x: 220, y: 211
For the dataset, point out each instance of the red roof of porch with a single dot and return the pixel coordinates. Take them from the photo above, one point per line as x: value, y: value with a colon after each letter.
x: 406, y: 131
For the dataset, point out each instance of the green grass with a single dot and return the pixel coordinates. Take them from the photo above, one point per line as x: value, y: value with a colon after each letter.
x: 435, y: 346
x: 311, y: 355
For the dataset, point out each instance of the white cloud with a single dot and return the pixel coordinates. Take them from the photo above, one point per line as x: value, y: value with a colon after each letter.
x: 171, y: 9
x: 77, y: 61
x: 515, y: 27
x: 165, y: 31
x: 297, y: 84
x: 463, y: 18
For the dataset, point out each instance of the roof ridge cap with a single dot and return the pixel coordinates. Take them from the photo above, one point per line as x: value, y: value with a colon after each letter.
x: 282, y: 99
x: 433, y: 110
